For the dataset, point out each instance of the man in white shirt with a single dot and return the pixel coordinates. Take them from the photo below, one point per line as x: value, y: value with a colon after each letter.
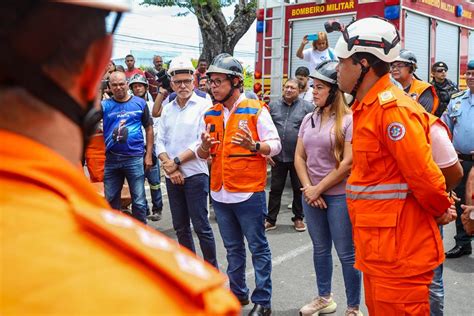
x: 306, y: 91
x: 239, y: 134
x: 187, y: 178
x: 139, y: 86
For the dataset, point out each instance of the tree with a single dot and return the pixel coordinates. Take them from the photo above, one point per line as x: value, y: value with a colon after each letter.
x: 218, y: 35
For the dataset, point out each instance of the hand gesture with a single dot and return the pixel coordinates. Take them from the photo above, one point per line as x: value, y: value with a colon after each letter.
x: 244, y: 139
x: 169, y: 166
x: 176, y: 177
x: 466, y: 221
x: 448, y: 216
x: 305, y: 40
x: 207, y: 141
x: 148, y: 162
x: 313, y: 197
x: 270, y: 161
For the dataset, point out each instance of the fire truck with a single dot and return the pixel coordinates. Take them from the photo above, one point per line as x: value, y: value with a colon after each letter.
x: 434, y: 30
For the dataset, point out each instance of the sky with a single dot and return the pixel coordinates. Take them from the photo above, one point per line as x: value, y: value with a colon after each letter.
x: 150, y: 30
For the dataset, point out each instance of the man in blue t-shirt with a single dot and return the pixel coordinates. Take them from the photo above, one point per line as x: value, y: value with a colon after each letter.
x: 125, y: 156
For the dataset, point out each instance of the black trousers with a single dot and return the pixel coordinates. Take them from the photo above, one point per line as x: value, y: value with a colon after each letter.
x: 279, y: 173
x: 462, y: 239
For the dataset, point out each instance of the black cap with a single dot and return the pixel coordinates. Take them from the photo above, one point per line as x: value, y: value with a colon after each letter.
x: 439, y: 64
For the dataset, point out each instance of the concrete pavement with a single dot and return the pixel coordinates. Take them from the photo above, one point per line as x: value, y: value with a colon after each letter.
x: 293, y: 274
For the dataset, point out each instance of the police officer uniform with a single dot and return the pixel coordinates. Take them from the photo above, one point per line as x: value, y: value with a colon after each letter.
x: 444, y: 90
x: 460, y: 117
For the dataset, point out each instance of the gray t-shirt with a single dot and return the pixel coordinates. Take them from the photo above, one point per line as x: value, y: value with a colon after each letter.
x: 318, y: 144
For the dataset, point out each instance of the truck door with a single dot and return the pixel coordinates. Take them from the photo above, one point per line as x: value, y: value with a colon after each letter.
x: 447, y: 48
x: 417, y: 39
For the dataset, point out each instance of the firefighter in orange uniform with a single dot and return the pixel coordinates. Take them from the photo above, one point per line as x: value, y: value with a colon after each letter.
x: 95, y: 157
x: 403, y: 70
x: 63, y: 250
x: 395, y: 193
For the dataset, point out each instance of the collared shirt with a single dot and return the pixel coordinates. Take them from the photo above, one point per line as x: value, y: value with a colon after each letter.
x: 267, y: 133
x: 287, y: 119
x: 180, y: 129
x: 460, y: 119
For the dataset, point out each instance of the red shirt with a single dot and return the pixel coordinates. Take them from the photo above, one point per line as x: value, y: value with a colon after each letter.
x: 130, y: 73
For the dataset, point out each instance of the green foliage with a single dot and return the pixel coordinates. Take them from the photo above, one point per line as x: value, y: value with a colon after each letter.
x: 188, y: 4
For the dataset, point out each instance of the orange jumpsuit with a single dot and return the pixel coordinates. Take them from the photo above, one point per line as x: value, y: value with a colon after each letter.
x: 65, y: 252
x: 418, y: 87
x: 95, y: 157
x: 394, y: 192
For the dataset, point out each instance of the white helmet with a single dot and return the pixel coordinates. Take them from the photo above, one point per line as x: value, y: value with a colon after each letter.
x: 181, y: 65
x: 372, y: 35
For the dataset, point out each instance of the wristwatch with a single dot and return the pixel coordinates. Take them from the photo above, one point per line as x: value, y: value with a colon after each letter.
x: 177, y: 161
x: 257, y: 147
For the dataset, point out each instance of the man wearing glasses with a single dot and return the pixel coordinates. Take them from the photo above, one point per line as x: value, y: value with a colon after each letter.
x: 187, y: 178
x: 444, y: 87
x: 239, y: 135
x: 403, y: 70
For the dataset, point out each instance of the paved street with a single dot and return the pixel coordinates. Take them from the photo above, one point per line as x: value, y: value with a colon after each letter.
x: 293, y: 273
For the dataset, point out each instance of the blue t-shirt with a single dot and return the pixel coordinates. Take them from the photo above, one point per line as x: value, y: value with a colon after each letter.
x: 122, y: 125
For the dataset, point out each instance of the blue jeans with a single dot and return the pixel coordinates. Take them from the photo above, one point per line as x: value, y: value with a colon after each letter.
x: 117, y: 169
x: 235, y: 221
x: 189, y: 202
x: 153, y: 177
x: 437, y: 289
x: 326, y: 226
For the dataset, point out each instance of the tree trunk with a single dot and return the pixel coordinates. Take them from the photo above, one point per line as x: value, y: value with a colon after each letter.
x: 219, y: 36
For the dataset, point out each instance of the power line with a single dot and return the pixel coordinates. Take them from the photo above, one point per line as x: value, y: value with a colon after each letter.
x: 248, y: 53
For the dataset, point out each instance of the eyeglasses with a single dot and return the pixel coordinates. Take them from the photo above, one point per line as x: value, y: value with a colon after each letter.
x: 186, y: 82
x: 441, y: 70
x: 216, y: 82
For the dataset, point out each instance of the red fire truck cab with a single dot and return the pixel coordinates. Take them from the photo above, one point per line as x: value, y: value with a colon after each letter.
x: 434, y: 30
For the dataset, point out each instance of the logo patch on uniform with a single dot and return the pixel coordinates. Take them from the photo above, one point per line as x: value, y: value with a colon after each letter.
x: 396, y: 131
x: 385, y: 96
x: 243, y: 124
x: 456, y: 106
x: 414, y: 96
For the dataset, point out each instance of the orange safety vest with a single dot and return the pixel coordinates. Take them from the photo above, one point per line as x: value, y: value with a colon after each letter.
x: 417, y: 88
x: 66, y: 242
x: 395, y: 188
x: 234, y: 167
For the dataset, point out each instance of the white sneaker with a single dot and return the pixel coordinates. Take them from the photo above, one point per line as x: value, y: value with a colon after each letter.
x: 290, y: 206
x: 319, y: 306
x: 353, y: 312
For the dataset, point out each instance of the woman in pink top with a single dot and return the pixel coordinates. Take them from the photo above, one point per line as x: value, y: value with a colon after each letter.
x: 323, y: 161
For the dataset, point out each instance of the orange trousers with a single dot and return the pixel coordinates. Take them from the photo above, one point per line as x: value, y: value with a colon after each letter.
x: 95, y: 158
x: 398, y: 296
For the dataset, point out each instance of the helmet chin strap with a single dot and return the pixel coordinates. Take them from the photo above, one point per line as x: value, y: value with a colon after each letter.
x: 229, y: 95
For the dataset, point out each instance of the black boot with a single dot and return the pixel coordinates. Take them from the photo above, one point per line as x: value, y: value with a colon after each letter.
x: 259, y: 310
x: 156, y: 215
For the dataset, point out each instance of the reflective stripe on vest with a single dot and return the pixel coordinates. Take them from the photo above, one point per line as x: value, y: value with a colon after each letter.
x: 377, y: 192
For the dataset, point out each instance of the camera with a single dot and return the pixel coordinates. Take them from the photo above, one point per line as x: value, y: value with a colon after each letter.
x: 163, y: 78
x: 104, y: 84
x: 333, y: 25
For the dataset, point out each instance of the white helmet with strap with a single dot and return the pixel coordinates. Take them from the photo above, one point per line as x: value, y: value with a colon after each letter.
x: 372, y: 35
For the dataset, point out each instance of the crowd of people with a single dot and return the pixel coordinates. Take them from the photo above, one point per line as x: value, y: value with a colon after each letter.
x: 379, y: 161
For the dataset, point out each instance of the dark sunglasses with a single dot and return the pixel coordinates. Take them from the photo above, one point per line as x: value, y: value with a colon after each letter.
x: 441, y: 70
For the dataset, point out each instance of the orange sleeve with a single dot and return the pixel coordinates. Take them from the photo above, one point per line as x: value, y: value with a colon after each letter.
x: 405, y: 136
